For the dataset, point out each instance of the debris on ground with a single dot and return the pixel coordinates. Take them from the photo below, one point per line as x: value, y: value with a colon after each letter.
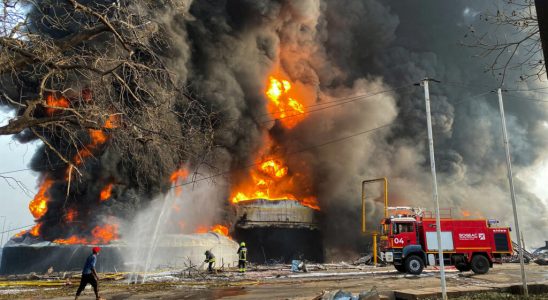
x: 298, y: 266
x: 342, y: 295
x: 364, y: 260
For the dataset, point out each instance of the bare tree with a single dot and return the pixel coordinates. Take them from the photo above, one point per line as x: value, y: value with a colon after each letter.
x: 78, y: 73
x: 512, y: 41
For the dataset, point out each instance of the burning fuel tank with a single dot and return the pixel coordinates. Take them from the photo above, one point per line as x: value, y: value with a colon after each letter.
x: 278, y: 230
x: 20, y: 256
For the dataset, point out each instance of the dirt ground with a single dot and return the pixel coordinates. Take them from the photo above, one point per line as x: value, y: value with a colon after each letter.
x: 272, y: 283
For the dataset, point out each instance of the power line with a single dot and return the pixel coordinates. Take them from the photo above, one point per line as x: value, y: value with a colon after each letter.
x: 336, y: 102
x: 320, y: 109
x: 258, y: 163
x: 13, y: 229
x: 472, y: 97
x: 287, y: 154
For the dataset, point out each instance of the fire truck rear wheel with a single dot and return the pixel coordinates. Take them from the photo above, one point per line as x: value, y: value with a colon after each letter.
x: 414, y: 265
x: 480, y: 264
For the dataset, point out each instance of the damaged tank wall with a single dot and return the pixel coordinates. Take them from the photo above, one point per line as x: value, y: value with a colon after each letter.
x: 174, y: 250
x: 279, y: 230
x: 275, y: 213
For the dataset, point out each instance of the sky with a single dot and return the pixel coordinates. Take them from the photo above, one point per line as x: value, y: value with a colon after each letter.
x: 13, y: 198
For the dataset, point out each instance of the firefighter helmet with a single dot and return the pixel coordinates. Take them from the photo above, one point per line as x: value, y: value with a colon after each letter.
x: 242, y: 244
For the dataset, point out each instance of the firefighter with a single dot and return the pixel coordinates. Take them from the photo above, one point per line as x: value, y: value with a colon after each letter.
x: 210, y: 259
x: 242, y: 257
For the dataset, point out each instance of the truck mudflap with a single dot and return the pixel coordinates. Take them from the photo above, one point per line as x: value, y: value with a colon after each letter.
x: 413, y: 250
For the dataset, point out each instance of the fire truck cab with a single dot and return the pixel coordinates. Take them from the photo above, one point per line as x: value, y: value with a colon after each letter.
x: 409, y: 242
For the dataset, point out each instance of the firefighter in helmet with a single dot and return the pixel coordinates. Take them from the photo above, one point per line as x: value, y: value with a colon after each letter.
x: 210, y: 259
x: 242, y: 257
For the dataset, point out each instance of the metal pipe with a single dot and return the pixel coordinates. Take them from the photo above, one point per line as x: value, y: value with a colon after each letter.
x: 375, y: 248
x: 434, y: 187
x: 512, y: 192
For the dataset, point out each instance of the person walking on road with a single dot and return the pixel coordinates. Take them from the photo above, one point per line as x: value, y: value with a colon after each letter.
x: 89, y: 275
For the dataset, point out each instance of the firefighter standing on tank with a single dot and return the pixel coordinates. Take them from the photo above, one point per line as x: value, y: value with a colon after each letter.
x: 242, y: 257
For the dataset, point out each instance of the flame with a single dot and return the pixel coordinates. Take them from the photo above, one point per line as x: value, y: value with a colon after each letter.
x: 98, y: 137
x: 272, y: 179
x: 72, y: 240
x: 71, y: 215
x: 176, y: 178
x: 274, y: 168
x: 104, y: 234
x: 38, y: 206
x: 100, y: 235
x: 113, y: 121
x: 106, y: 192
x: 35, y: 231
x: 466, y: 213
x: 218, y: 228
x: 51, y: 100
x: 201, y: 229
x: 288, y: 110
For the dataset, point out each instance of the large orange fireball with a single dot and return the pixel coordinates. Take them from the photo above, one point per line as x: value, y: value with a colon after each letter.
x: 283, y: 105
x: 272, y: 179
x: 39, y: 205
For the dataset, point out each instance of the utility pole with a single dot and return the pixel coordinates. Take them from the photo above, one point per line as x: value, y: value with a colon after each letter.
x: 3, y: 228
x: 542, y: 20
x: 434, y: 185
x: 512, y: 192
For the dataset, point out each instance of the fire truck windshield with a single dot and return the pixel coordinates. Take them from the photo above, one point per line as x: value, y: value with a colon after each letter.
x: 398, y: 228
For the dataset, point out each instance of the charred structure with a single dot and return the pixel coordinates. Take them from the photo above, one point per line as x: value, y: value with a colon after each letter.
x: 279, y: 230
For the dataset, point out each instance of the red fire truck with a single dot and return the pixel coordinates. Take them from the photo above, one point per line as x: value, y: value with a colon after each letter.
x: 410, y: 241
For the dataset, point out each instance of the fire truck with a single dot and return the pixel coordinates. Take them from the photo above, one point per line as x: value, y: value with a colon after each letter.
x: 409, y: 241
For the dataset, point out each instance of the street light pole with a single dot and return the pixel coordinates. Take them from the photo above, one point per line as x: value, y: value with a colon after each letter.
x: 512, y: 192
x: 434, y: 186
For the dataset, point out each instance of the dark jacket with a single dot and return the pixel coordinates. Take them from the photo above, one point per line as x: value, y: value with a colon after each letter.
x: 242, y: 253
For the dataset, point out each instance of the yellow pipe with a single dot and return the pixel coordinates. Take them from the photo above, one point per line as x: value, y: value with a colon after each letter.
x: 374, y: 248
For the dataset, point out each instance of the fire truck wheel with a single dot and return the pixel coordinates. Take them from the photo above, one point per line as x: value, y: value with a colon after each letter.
x: 400, y: 268
x: 414, y: 265
x: 480, y: 264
